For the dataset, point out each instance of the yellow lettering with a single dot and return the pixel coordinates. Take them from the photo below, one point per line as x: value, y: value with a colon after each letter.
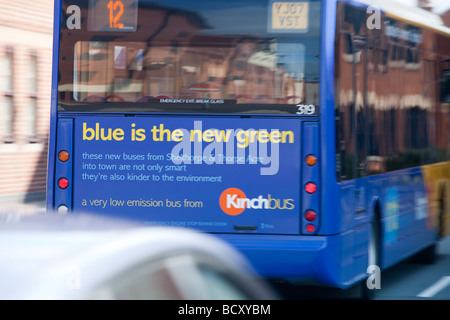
x: 198, y: 133
x: 208, y: 136
x: 242, y: 137
x: 253, y: 135
x: 287, y: 134
x: 140, y: 135
x: 103, y: 134
x: 222, y: 136
x: 177, y: 135
x: 275, y: 136
x: 87, y: 131
x: 263, y: 136
x: 118, y: 134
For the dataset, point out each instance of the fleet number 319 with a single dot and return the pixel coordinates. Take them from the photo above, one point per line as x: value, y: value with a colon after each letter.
x: 306, y: 109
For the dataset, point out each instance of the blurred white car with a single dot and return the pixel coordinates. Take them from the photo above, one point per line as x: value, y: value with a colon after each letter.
x: 83, y: 257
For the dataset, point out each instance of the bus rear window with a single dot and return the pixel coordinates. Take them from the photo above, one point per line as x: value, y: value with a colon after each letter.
x: 185, y: 52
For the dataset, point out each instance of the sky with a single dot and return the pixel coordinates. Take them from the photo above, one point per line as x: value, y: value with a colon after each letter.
x: 439, y: 6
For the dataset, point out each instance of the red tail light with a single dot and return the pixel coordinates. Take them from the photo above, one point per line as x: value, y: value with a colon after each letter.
x: 310, y: 228
x: 310, y: 187
x: 63, y: 183
x: 310, y: 215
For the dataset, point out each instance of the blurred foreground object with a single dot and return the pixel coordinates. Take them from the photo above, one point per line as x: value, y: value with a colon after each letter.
x: 89, y: 257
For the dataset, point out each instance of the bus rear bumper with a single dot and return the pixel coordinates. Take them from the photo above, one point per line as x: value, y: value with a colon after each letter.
x: 299, y: 259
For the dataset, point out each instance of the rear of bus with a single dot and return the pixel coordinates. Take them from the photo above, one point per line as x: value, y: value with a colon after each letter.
x: 197, y: 114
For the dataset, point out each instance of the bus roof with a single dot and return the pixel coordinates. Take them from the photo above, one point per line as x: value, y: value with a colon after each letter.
x: 413, y: 15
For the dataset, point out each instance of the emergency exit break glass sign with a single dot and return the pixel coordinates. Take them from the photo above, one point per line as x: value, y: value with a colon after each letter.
x: 289, y: 16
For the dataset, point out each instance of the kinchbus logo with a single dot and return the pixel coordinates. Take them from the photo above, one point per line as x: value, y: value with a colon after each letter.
x: 233, y: 202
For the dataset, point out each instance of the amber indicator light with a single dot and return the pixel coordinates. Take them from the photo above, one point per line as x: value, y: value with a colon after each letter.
x: 311, y: 160
x: 63, y: 156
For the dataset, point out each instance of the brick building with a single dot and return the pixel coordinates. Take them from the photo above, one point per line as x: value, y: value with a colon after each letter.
x: 26, y: 29
x: 395, y: 78
x: 446, y: 18
x: 445, y: 15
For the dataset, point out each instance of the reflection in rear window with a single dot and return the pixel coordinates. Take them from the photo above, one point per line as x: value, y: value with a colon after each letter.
x: 225, y: 52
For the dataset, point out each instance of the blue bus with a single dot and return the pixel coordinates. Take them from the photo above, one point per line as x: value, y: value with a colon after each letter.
x: 313, y: 135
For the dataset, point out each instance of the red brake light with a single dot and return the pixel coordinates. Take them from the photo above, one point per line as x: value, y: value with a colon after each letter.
x: 310, y: 215
x: 310, y: 228
x: 63, y: 183
x: 310, y: 187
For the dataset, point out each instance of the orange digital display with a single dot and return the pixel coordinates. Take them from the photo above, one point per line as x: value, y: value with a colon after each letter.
x: 113, y: 15
x: 115, y: 12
